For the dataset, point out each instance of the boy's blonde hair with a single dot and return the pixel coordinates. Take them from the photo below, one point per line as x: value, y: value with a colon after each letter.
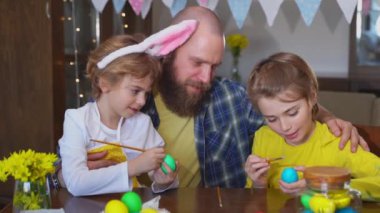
x: 138, y: 65
x: 280, y: 72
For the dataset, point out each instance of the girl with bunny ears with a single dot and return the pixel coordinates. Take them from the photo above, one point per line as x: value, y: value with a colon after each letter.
x: 122, y: 71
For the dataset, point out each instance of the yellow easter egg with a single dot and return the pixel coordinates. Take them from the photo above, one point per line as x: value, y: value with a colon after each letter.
x: 148, y: 210
x: 321, y: 204
x: 341, y: 200
x: 115, y: 206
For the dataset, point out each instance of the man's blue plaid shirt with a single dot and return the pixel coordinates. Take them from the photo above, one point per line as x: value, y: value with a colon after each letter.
x: 223, y: 130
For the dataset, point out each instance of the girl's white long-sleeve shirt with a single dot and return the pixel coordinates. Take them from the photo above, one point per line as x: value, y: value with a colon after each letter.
x: 83, y: 124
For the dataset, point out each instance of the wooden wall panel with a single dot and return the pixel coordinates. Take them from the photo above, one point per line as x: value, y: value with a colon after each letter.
x: 26, y: 79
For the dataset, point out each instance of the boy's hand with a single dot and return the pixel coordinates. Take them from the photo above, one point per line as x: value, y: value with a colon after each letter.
x: 256, y: 169
x: 149, y: 160
x: 293, y: 188
x: 161, y: 179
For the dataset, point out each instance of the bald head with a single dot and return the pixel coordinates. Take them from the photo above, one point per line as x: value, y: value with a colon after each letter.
x: 189, y: 70
x: 207, y: 19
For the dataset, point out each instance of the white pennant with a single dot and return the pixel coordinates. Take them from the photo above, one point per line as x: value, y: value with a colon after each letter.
x: 212, y: 4
x: 271, y: 9
x: 308, y: 9
x: 118, y: 5
x: 203, y: 3
x: 239, y: 10
x: 168, y: 3
x: 146, y: 7
x: 348, y: 8
x: 99, y: 5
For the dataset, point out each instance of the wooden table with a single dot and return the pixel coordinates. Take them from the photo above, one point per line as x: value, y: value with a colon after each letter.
x: 195, y: 200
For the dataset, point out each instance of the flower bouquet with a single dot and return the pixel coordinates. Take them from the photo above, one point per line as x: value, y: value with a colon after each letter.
x: 236, y: 43
x: 29, y: 169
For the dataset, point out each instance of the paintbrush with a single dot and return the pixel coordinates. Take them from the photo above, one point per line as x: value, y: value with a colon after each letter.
x: 119, y: 145
x: 271, y: 160
x: 219, y: 197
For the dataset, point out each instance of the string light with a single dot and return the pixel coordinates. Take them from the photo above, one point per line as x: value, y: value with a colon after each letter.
x: 75, y: 63
x: 76, y: 29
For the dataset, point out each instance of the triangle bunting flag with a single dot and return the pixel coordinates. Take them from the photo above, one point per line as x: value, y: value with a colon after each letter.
x: 239, y: 10
x: 348, y: 8
x: 271, y: 9
x: 99, y: 5
x: 308, y: 9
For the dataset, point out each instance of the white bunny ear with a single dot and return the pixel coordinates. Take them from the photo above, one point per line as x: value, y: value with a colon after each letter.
x: 158, y: 44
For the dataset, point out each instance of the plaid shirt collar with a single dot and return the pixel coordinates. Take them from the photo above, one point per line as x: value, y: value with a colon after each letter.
x: 224, y: 131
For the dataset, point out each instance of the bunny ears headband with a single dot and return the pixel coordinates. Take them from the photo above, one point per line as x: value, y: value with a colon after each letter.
x: 158, y: 44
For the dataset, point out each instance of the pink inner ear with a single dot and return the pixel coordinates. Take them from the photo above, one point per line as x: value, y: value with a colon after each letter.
x: 175, y: 39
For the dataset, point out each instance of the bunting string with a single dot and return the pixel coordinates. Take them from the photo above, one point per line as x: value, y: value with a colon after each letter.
x: 239, y: 9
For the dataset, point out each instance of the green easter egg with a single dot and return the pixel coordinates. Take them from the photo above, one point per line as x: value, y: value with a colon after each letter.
x: 169, y: 160
x: 305, y: 200
x: 115, y: 206
x: 133, y: 201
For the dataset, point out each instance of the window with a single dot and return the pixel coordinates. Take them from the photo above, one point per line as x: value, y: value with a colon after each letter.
x: 365, y: 48
x: 368, y: 33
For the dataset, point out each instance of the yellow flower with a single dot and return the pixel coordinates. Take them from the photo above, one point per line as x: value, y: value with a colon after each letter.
x: 236, y: 43
x: 27, y: 166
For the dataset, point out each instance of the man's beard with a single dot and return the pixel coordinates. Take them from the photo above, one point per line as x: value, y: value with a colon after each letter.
x: 174, y: 93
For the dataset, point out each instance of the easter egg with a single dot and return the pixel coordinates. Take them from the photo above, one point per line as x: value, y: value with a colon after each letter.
x: 341, y: 200
x: 148, y: 210
x: 133, y: 201
x: 305, y: 200
x: 115, y: 206
x: 346, y: 210
x: 289, y: 175
x: 169, y: 160
x: 321, y: 204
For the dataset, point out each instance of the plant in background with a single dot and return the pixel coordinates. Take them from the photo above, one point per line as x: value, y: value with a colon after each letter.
x: 236, y: 43
x: 29, y: 169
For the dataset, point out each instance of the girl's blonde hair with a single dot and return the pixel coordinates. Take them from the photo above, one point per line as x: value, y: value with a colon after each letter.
x: 280, y: 72
x: 138, y: 65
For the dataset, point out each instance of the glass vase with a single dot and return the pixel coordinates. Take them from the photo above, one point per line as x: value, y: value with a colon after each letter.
x: 235, y: 75
x: 31, y: 195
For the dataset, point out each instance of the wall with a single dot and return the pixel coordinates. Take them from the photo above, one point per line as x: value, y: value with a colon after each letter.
x: 31, y: 58
x: 325, y: 44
